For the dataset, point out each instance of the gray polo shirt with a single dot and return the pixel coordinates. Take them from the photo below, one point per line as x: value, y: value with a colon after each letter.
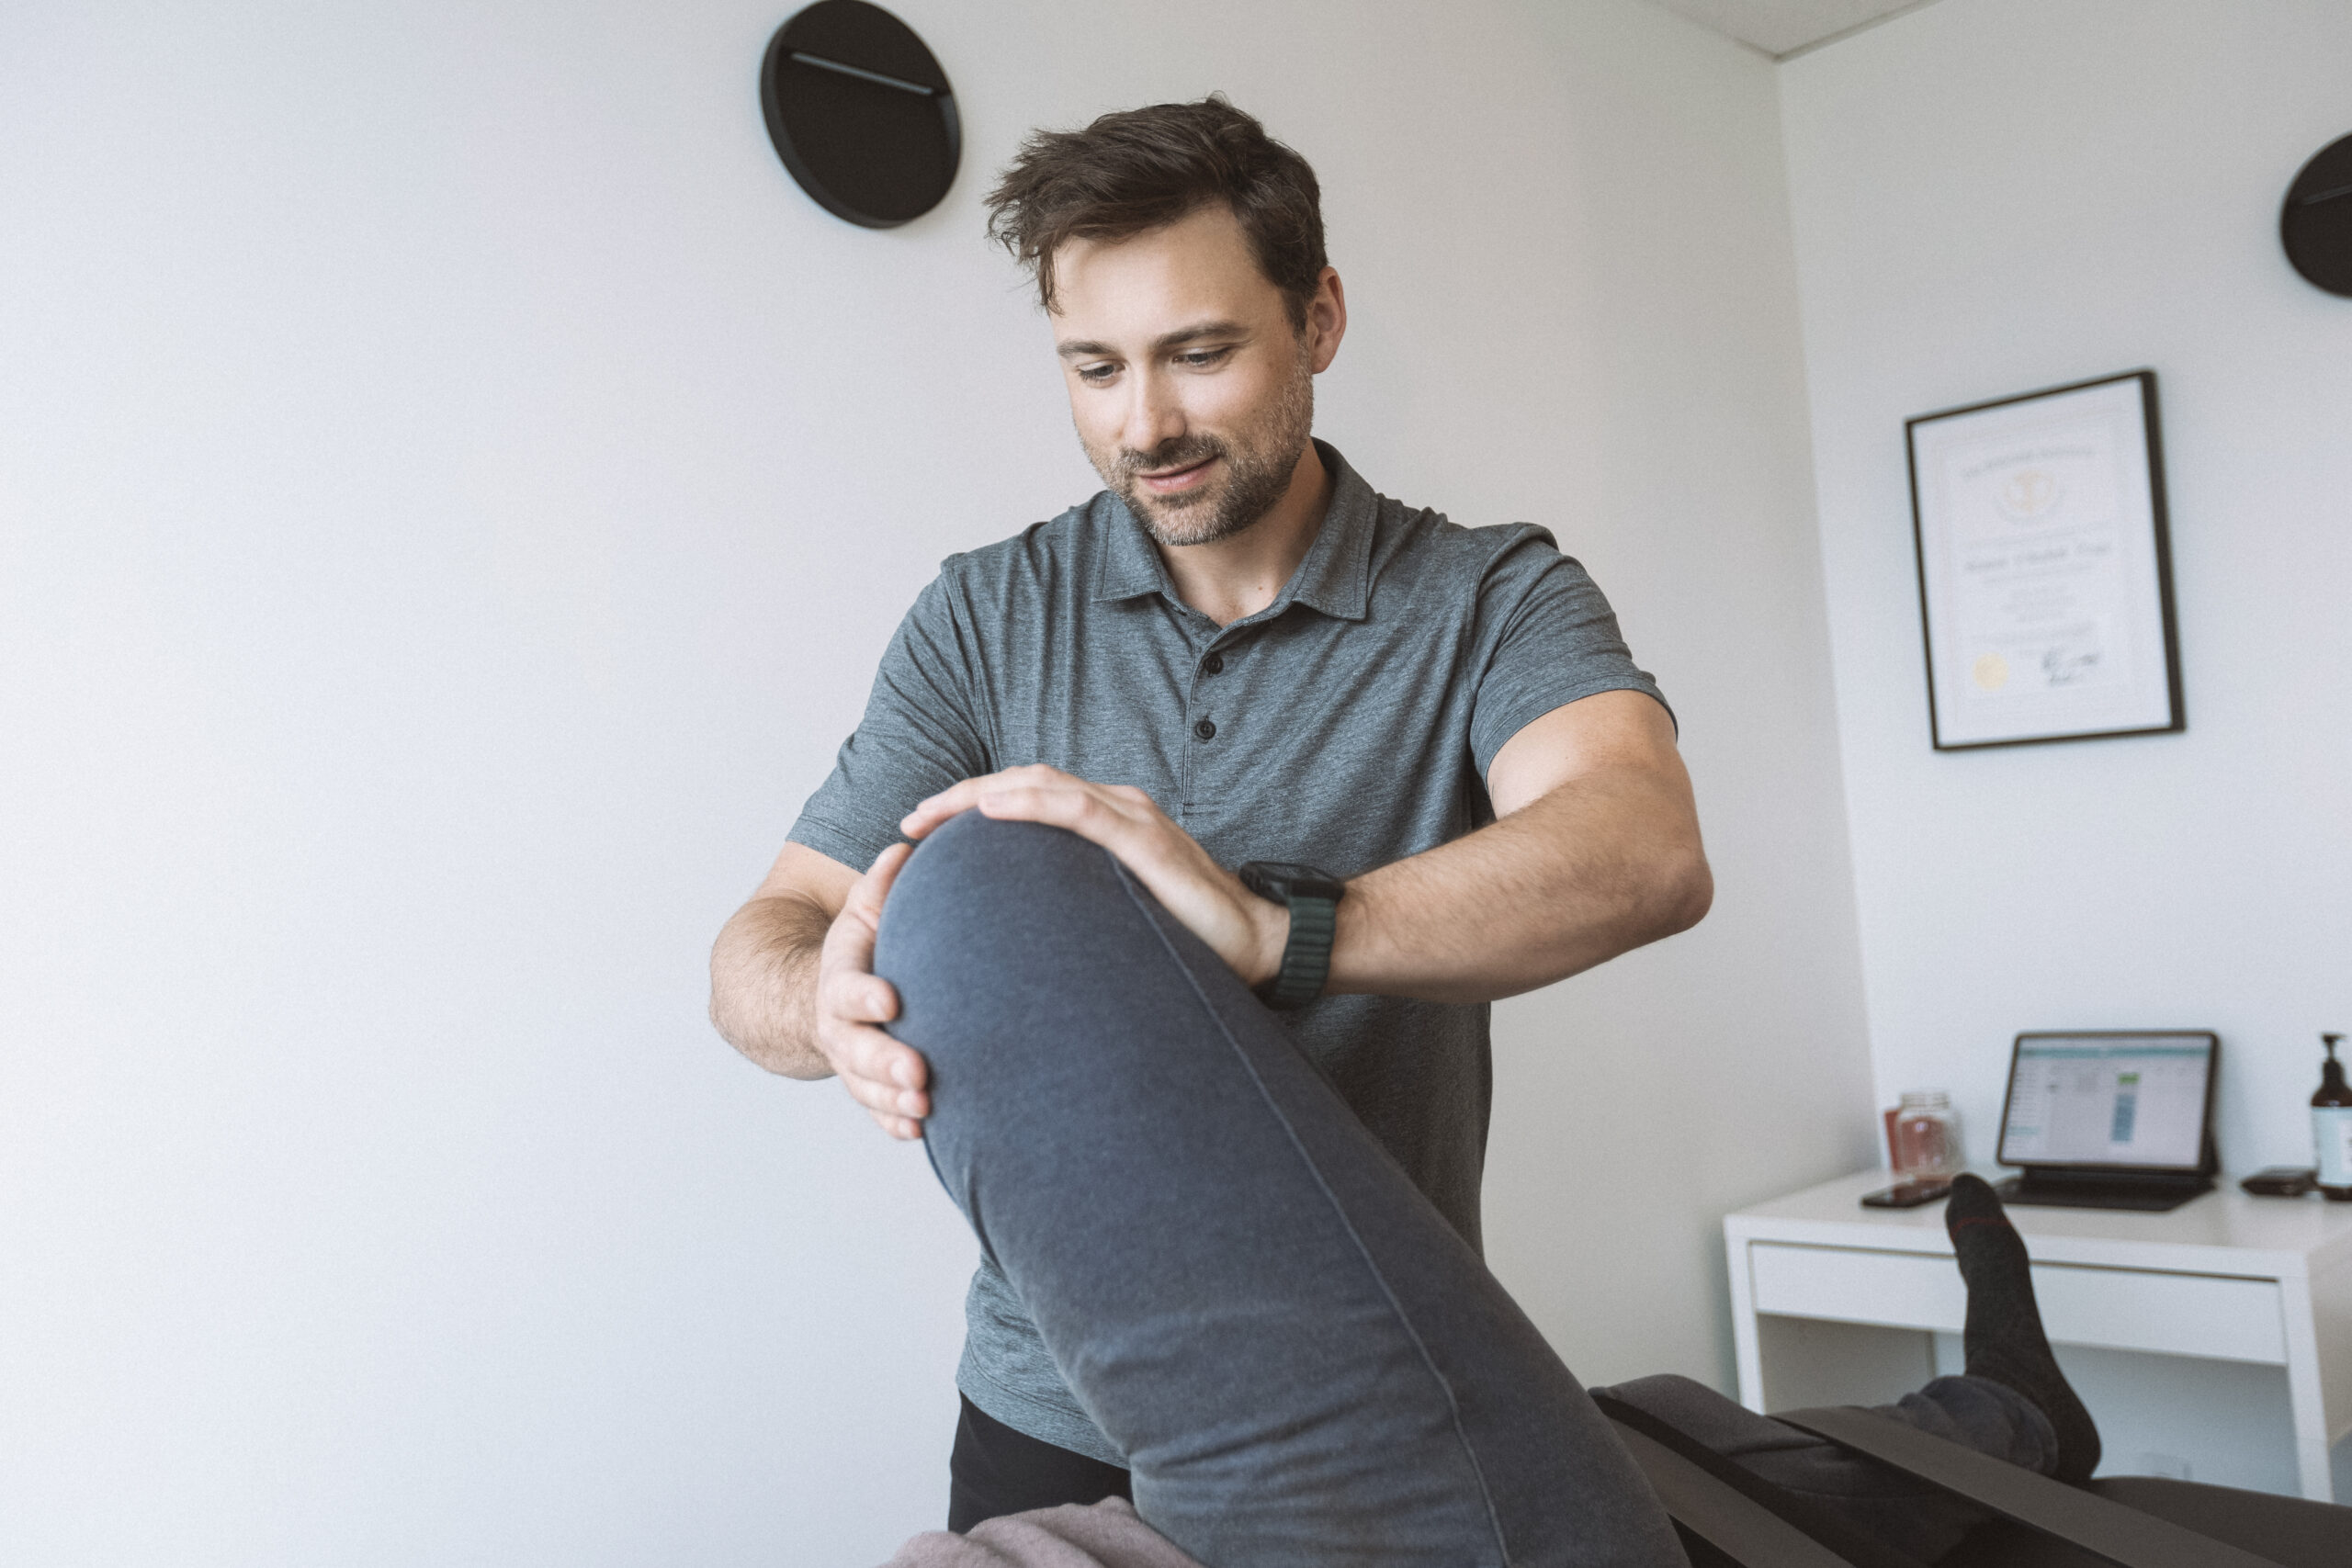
x: 1348, y: 724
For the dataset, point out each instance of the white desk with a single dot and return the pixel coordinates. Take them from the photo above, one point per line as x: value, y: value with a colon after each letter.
x: 2227, y: 1276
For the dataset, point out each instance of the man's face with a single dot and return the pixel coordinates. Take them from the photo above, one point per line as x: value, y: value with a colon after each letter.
x: 1191, y: 392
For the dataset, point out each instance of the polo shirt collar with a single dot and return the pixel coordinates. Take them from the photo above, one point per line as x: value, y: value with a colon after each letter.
x: 1335, y: 578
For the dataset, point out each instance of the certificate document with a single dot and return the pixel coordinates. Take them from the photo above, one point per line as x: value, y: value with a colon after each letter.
x: 2044, y: 582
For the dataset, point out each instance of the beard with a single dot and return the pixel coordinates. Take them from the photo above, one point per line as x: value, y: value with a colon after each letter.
x: 1258, y: 462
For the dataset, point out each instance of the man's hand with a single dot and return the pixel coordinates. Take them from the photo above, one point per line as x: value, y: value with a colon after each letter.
x: 853, y: 1002
x: 1247, y: 931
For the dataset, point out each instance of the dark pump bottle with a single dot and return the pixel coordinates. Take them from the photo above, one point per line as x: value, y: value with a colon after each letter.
x: 2332, y: 1126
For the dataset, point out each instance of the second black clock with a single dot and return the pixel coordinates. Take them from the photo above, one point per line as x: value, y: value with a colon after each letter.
x: 861, y: 113
x: 2316, y: 224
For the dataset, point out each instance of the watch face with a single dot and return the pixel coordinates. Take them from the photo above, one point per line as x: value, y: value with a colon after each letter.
x: 1285, y: 880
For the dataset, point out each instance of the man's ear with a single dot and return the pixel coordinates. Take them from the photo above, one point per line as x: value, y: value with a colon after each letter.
x: 1326, y: 320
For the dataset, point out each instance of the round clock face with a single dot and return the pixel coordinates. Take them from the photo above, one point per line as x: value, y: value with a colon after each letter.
x: 2316, y: 224
x: 861, y: 113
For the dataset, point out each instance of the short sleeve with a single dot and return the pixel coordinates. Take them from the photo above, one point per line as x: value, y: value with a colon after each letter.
x: 1553, y: 637
x: 922, y: 732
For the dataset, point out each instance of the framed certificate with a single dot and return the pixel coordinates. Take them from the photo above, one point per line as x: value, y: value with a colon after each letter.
x: 2045, y: 576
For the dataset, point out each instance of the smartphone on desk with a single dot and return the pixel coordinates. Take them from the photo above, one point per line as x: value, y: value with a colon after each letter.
x: 2281, y: 1181
x: 1908, y: 1195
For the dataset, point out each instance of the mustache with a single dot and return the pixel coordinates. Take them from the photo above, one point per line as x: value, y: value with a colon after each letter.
x: 1179, y: 452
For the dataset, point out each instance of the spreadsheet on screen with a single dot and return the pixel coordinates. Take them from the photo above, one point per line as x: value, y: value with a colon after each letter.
x: 2112, y: 1102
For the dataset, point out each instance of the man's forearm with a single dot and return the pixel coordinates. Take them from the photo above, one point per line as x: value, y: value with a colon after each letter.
x: 764, y: 984
x: 1597, y: 866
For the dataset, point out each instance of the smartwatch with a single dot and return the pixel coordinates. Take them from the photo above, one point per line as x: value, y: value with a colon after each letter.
x: 1314, y: 900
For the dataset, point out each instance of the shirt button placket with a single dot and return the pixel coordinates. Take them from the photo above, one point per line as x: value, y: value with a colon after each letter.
x: 1212, y: 663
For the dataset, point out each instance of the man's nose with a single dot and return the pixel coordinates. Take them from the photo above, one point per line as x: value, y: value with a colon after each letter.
x: 1154, y: 415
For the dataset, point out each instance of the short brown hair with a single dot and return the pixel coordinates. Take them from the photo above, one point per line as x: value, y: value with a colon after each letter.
x: 1140, y: 169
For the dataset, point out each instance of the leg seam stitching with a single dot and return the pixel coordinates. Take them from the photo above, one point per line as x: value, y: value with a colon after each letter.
x: 1453, y: 1405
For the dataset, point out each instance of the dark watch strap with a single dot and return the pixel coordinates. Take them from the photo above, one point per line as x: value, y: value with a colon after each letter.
x: 1306, y: 957
x: 1313, y: 898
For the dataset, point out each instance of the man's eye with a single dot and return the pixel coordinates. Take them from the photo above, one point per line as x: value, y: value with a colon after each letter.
x: 1096, y: 375
x: 1201, y: 358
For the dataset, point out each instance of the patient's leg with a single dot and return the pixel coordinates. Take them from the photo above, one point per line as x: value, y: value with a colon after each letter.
x: 2013, y: 1402
x: 2002, y: 1336
x: 1301, y: 1360
x: 1909, y: 1515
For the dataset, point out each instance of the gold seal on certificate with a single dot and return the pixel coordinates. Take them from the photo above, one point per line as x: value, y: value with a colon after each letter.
x: 2044, y: 580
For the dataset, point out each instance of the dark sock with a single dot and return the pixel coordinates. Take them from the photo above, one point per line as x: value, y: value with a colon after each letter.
x: 2003, y: 1336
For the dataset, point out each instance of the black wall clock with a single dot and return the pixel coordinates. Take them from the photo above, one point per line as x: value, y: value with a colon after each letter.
x: 2316, y: 224
x: 861, y: 113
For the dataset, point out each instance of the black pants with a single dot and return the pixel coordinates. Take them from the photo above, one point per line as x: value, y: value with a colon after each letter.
x: 995, y: 1470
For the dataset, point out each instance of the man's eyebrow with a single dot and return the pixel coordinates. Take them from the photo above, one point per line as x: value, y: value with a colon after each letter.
x: 1088, y: 348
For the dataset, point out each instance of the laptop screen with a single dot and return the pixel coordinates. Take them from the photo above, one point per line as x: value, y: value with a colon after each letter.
x: 2125, y: 1101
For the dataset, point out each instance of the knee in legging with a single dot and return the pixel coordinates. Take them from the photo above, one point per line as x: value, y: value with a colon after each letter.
x: 1006, y: 941
x: 974, y: 869
x: 981, y: 902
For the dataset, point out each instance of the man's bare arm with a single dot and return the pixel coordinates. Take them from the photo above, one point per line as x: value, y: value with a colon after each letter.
x: 1595, y: 851
x: 792, y: 984
x: 764, y: 967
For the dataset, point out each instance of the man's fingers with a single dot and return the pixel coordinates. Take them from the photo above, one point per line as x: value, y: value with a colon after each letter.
x: 864, y: 998
x: 849, y: 944
x: 885, y: 870
x: 889, y: 1095
x: 867, y: 893
x: 1032, y: 804
x: 869, y: 1054
x: 888, y: 1116
x: 888, y: 1102
x: 885, y: 1075
x: 963, y: 796
x: 1090, y: 814
x: 1077, y: 809
x: 931, y: 813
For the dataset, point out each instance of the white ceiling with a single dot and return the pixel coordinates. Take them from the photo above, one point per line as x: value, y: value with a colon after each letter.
x: 1783, y: 27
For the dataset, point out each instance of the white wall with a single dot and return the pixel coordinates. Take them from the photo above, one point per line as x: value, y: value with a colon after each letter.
x: 1654, y: 414
x: 453, y: 488
x: 1993, y: 195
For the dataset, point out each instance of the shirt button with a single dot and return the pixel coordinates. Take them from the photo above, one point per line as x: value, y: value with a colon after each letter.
x: 1206, y: 729
x: 1213, y: 664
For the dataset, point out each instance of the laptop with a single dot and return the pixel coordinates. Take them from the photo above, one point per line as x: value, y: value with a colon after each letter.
x: 2111, y: 1119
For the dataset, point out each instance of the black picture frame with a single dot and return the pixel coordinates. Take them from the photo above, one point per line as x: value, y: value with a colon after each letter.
x: 2142, y: 573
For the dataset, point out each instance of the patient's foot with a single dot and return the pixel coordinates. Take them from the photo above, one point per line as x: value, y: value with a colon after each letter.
x: 2003, y: 1336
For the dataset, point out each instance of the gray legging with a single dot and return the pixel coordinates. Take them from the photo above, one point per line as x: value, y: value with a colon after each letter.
x: 1302, y: 1361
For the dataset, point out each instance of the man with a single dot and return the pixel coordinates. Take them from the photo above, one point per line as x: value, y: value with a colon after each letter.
x: 1429, y: 741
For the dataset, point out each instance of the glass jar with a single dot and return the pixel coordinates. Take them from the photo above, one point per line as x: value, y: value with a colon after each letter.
x: 1927, y: 1135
